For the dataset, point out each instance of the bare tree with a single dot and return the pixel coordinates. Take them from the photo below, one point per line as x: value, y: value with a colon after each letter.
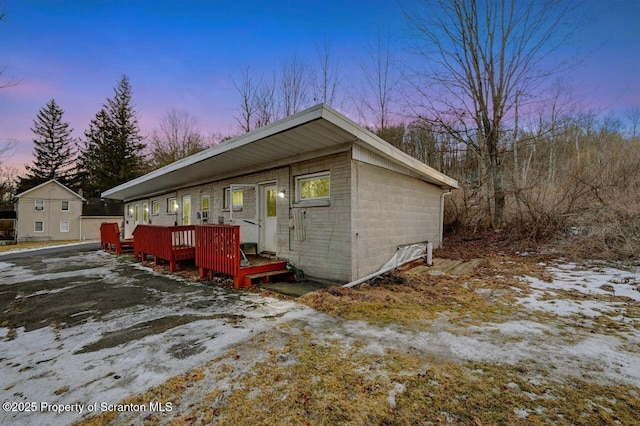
x: 326, y: 84
x: 483, y: 56
x: 633, y: 114
x: 177, y: 136
x: 265, y: 102
x: 257, y: 101
x: 295, y: 86
x: 246, y: 88
x: 379, y: 82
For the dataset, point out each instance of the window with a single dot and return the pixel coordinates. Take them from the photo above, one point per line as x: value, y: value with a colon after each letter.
x: 39, y: 204
x: 172, y: 205
x: 130, y: 210
x: 65, y: 206
x: 145, y: 212
x: 136, y: 213
x: 38, y: 226
x: 313, y: 187
x: 155, y: 207
x: 204, y: 203
x: 64, y: 226
x: 238, y: 197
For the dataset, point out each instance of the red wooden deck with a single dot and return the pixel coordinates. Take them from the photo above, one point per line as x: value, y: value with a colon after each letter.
x: 218, y: 250
x: 170, y: 243
x: 110, y: 238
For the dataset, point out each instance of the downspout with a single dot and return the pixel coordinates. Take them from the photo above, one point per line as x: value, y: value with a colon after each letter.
x: 442, y: 195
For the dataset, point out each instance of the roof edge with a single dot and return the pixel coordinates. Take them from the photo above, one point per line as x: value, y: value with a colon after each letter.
x: 302, y: 117
x: 49, y: 181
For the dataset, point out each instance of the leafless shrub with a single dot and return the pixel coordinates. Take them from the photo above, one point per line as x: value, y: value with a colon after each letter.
x: 591, y: 207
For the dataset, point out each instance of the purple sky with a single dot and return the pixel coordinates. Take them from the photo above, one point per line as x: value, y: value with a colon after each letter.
x: 182, y: 54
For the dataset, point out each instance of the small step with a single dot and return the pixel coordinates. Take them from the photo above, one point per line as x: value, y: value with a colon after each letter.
x: 264, y: 276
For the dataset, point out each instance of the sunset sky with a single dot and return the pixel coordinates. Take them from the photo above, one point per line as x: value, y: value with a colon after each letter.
x: 182, y: 54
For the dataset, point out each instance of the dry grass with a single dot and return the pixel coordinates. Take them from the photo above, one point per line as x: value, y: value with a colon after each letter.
x: 35, y: 244
x: 167, y: 392
x: 308, y: 381
x: 485, y: 294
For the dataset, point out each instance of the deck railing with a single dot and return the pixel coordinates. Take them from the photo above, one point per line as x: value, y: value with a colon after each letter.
x: 218, y: 250
x: 110, y: 238
x: 171, y: 243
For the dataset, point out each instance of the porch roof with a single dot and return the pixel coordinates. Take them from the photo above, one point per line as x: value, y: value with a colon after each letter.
x: 317, y: 131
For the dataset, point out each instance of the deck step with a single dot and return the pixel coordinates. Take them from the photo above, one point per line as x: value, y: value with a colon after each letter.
x: 264, y: 276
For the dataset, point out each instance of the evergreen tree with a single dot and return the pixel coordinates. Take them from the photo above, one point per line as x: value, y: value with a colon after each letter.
x: 53, y: 148
x: 112, y: 152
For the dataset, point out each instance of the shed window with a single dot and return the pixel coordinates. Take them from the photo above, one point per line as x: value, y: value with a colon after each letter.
x: 155, y: 207
x: 238, y: 198
x: 313, y: 187
x: 39, y: 204
x: 64, y: 226
x: 65, y: 206
x: 38, y: 226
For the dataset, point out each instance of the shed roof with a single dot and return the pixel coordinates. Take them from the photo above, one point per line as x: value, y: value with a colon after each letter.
x: 314, y: 132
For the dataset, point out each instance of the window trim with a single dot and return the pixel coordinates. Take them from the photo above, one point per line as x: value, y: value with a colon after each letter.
x: 68, y: 226
x: 312, y: 176
x: 39, y: 201
x: 35, y: 228
x: 62, y: 209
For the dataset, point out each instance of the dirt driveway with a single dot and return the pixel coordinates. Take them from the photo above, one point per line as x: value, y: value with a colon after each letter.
x: 86, y: 327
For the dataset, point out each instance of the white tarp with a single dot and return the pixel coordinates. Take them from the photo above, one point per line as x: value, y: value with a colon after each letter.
x: 403, y: 255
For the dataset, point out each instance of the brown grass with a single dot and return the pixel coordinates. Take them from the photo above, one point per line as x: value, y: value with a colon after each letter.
x: 308, y: 381
x: 35, y: 244
x: 486, y: 294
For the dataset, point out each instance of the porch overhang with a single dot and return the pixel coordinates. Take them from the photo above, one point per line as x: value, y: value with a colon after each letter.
x: 315, y: 132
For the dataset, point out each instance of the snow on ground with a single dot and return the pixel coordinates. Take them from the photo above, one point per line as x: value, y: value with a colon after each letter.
x: 37, y: 363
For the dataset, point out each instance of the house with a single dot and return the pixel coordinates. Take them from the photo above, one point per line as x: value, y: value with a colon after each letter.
x: 314, y: 188
x: 53, y: 212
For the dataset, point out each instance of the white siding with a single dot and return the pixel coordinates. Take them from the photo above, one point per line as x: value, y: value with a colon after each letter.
x: 51, y: 216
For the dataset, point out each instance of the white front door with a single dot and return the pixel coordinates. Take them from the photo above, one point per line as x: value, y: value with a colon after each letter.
x: 268, y: 218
